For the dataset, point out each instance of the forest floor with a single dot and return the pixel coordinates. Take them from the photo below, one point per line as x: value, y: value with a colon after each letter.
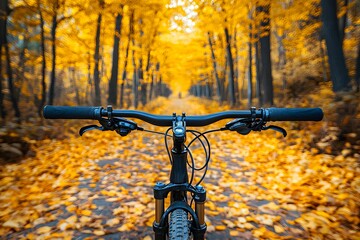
x: 259, y: 186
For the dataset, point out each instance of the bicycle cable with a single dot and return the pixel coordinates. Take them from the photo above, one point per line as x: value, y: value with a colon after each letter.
x: 192, y: 169
x: 160, y: 133
x: 197, y: 135
x: 167, y: 145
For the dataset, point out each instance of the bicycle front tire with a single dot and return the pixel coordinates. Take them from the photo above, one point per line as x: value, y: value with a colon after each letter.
x: 178, y: 226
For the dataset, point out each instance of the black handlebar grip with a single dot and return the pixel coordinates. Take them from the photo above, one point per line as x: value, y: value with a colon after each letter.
x: 65, y: 112
x: 295, y: 114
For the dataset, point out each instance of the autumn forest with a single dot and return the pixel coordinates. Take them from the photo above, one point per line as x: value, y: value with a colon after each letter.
x: 193, y: 56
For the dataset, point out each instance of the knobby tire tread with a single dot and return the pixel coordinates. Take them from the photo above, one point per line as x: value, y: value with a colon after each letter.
x: 178, y: 226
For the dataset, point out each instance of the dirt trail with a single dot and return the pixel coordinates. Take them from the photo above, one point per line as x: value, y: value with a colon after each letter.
x: 100, y: 185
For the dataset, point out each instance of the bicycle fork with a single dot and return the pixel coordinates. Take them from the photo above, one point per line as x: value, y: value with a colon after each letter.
x: 198, y: 225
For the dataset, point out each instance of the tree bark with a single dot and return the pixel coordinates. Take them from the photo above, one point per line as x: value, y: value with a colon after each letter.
x: 135, y: 71
x: 43, y: 61
x: 258, y: 65
x: 250, y: 90
x: 2, y: 107
x: 214, y: 63
x: 357, y: 74
x: 231, y: 68
x: 3, y: 17
x: 141, y: 82
x: 89, y: 90
x: 97, y: 56
x: 338, y: 70
x: 9, y: 71
x: 238, y: 92
x: 266, y: 75
x: 20, y: 70
x: 53, y: 51
x: 125, y: 66
x: 113, y: 83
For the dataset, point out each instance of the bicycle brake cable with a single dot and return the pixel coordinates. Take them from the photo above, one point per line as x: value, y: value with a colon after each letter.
x: 192, y: 168
x: 167, y: 145
x: 197, y: 135
x: 150, y: 131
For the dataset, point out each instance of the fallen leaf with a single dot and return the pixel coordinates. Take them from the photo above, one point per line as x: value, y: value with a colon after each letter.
x: 43, y: 230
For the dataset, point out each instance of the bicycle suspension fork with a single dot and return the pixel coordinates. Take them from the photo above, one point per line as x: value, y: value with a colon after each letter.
x: 179, y: 186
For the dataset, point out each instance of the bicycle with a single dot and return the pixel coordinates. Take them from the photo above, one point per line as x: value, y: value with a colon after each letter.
x: 180, y: 220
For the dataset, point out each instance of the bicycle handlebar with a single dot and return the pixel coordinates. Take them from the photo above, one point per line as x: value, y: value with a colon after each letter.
x: 269, y: 114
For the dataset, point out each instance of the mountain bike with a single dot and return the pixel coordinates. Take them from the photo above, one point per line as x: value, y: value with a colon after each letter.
x: 180, y: 220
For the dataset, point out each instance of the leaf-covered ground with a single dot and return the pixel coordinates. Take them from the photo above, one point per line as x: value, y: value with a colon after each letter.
x: 259, y: 186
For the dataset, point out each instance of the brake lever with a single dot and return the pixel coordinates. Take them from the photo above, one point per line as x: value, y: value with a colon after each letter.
x: 89, y: 128
x: 122, y: 126
x: 245, y: 126
x: 276, y: 128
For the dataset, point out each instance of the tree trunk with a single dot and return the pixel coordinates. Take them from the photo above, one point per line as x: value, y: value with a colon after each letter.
x: 357, y: 74
x: 342, y: 22
x: 231, y: 69
x: 97, y: 57
x: 89, y: 91
x: 238, y: 93
x: 72, y: 77
x: 141, y: 82
x: 20, y: 70
x: 125, y: 65
x: 258, y: 73
x: 3, y: 17
x: 151, y: 86
x: 9, y: 72
x: 53, y: 51
x: 135, y: 70
x: 266, y: 75
x: 338, y: 70
x: 2, y: 107
x: 250, y: 91
x: 14, y: 101
x: 218, y: 83
x: 43, y: 62
x: 113, y: 83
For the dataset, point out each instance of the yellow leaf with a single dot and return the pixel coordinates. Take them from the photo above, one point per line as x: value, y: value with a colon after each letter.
x: 72, y: 219
x: 344, y: 211
x: 63, y: 226
x: 125, y: 227
x: 86, y: 212
x: 99, y: 232
x: 12, y: 223
x: 279, y: 229
x: 241, y: 220
x: 84, y: 219
x: 220, y: 228
x: 271, y: 206
x: 43, y: 230
x: 234, y: 233
x: 71, y: 208
x: 112, y: 222
x: 248, y: 226
x: 229, y: 223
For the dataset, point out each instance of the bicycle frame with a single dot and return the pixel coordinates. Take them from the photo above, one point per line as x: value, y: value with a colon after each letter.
x: 178, y: 188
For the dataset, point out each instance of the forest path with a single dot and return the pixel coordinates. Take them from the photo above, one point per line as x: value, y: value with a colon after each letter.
x: 100, y: 185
